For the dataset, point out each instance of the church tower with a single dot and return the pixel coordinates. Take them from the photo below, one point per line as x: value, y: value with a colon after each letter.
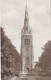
x: 27, y: 45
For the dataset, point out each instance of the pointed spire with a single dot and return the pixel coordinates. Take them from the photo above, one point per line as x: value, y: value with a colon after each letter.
x: 26, y: 6
x: 26, y: 19
x: 26, y: 11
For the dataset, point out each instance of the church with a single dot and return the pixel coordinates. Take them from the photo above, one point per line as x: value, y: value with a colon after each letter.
x: 27, y: 45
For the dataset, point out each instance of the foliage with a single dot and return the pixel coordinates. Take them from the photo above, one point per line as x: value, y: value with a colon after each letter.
x: 45, y: 59
x: 10, y: 58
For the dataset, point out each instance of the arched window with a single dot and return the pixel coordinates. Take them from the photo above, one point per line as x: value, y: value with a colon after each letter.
x: 27, y: 60
x: 27, y: 41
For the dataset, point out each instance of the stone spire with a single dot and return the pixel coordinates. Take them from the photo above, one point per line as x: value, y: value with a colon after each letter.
x: 26, y: 20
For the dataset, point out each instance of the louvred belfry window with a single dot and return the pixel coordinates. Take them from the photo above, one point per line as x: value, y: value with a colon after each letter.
x: 27, y: 41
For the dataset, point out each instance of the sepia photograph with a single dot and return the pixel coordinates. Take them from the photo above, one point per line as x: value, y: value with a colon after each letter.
x: 25, y: 40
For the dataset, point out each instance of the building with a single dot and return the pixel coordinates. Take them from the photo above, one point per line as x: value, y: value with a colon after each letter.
x: 27, y: 45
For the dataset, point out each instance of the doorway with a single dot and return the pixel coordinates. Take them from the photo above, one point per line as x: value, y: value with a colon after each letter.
x: 28, y: 70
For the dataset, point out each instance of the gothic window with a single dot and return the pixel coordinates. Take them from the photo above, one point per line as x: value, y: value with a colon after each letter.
x: 26, y: 28
x: 27, y: 41
x: 27, y: 60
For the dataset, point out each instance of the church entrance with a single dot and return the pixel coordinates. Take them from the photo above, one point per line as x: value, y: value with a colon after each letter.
x: 28, y: 70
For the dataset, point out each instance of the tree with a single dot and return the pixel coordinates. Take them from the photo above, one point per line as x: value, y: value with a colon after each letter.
x: 45, y: 59
x: 10, y: 58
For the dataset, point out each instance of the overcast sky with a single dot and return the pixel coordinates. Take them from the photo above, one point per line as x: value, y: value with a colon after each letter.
x: 12, y: 19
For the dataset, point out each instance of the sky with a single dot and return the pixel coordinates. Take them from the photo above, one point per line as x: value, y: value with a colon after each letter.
x: 12, y: 20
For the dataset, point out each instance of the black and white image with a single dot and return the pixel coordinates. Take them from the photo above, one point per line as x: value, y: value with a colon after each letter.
x: 25, y: 40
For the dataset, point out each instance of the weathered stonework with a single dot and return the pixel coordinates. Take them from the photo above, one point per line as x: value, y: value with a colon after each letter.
x: 27, y: 46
